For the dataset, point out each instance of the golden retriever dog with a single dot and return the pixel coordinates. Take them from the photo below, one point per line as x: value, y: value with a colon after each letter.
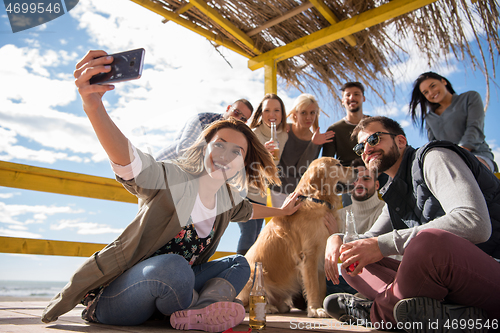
x: 292, y: 248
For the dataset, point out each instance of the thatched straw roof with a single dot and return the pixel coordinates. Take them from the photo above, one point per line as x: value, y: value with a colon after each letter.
x: 440, y: 28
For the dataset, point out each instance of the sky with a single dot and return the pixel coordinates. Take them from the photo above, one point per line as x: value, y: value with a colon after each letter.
x: 42, y: 122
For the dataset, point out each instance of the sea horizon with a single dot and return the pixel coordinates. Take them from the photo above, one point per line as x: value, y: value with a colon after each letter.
x: 30, y: 288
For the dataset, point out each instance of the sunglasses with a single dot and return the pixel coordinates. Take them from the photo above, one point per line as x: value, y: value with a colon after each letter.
x: 372, y: 140
x: 239, y: 115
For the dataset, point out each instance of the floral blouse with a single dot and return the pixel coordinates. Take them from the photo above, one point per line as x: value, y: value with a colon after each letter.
x: 186, y: 244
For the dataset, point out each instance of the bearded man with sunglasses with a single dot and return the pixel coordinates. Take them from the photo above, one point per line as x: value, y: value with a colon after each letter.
x: 443, y: 216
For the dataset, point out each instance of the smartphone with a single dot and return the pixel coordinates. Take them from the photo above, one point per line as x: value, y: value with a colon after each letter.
x: 125, y: 66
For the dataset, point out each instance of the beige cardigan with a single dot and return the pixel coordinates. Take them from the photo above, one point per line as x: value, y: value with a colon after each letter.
x: 166, y: 199
x: 263, y: 133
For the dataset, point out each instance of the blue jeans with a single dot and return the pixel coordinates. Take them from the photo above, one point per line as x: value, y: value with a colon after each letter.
x: 166, y: 283
x: 249, y: 231
x: 342, y: 287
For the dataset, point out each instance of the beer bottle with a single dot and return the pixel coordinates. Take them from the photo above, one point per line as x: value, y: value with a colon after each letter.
x: 274, y: 139
x: 350, y: 234
x: 257, y: 313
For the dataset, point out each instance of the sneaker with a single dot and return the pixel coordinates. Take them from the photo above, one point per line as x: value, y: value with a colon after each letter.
x: 216, y: 317
x: 348, y: 308
x: 423, y: 314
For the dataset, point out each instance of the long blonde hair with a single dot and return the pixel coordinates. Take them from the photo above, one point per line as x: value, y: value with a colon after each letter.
x: 302, y: 102
x: 259, y: 166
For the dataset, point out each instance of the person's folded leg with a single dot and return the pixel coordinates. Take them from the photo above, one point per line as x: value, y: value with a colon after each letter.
x: 164, y: 282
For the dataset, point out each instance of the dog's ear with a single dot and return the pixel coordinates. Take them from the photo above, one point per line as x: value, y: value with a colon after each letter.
x: 313, y: 180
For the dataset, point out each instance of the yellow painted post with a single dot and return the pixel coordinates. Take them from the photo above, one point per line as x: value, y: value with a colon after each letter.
x: 270, y: 77
x: 270, y: 87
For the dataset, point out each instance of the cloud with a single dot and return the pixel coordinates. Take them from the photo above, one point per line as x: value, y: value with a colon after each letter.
x: 85, y: 228
x: 404, y: 123
x: 18, y: 233
x: 391, y: 110
x: 183, y: 75
x: 11, y: 214
x: 8, y: 195
x: 495, y: 150
x: 28, y: 108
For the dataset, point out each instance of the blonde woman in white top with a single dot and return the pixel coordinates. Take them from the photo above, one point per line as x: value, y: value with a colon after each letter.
x: 302, y: 146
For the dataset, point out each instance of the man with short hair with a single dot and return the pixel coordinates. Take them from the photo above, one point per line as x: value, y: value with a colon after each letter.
x: 241, y: 109
x: 366, y: 208
x: 366, y: 205
x: 443, y: 216
x: 353, y: 96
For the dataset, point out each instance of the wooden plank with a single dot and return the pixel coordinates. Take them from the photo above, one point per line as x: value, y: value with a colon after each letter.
x: 281, y: 18
x: 61, y: 248
x: 62, y: 182
x: 339, y: 30
x: 48, y: 247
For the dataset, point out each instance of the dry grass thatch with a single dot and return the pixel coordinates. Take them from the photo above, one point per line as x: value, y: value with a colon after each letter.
x: 439, y: 30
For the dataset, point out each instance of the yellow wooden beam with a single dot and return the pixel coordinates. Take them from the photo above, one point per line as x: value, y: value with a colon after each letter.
x: 220, y: 20
x: 221, y: 254
x: 48, y: 247
x: 185, y: 8
x: 270, y: 78
x: 339, y: 30
x: 331, y: 18
x: 61, y: 248
x: 160, y: 10
x: 62, y: 182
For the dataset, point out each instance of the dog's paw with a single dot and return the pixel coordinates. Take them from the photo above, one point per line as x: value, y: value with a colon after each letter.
x: 317, y: 313
x: 270, y: 309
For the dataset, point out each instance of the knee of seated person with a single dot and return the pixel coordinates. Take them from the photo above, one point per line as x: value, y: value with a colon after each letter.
x: 242, y: 262
x: 429, y: 241
x: 167, y: 267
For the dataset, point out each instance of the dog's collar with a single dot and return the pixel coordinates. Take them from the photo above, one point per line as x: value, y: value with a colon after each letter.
x: 303, y: 197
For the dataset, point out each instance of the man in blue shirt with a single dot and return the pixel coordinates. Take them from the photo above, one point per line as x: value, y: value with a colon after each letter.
x: 241, y: 109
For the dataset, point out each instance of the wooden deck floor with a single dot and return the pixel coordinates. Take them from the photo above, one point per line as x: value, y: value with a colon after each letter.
x: 18, y: 316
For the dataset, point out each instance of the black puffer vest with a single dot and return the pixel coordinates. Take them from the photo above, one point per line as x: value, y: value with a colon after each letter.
x: 411, y: 203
